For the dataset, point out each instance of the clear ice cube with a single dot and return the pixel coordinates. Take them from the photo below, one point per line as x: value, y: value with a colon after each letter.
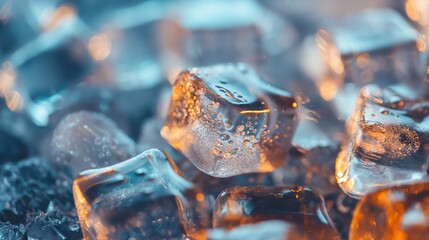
x: 144, y: 197
x: 85, y: 140
x: 298, y: 206
x: 388, y: 137
x: 228, y: 121
x: 373, y: 46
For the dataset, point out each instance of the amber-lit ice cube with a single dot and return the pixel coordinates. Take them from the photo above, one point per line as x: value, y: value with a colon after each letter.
x: 399, y: 212
x: 389, y: 134
x: 302, y: 207
x: 373, y: 46
x: 85, y: 140
x: 141, y: 198
x: 228, y: 121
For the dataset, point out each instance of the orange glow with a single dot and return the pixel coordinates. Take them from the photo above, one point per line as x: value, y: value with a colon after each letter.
x: 14, y: 101
x: 99, y: 47
x: 294, y: 105
x: 200, y: 197
x: 7, y: 79
x: 421, y: 44
x: 62, y: 13
x: 331, y: 54
x: 418, y: 11
x: 328, y: 89
x: 402, y: 213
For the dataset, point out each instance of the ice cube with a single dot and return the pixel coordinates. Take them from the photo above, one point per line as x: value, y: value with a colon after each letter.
x: 228, y: 121
x: 85, y: 140
x: 373, y: 46
x: 144, y: 197
x: 301, y: 207
x: 388, y: 140
x: 266, y: 230
x: 219, y: 31
x: 398, y: 212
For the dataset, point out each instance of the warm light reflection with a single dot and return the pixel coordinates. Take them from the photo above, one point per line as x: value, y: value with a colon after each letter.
x: 14, y: 100
x: 331, y: 54
x: 200, y: 197
x: 7, y: 79
x: 62, y: 13
x: 255, y: 111
x: 418, y: 11
x: 328, y: 89
x: 398, y: 212
x: 99, y: 47
x: 421, y: 44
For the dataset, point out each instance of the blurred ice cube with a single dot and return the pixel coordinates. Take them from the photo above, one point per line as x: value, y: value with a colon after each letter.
x: 373, y: 46
x: 85, y: 140
x: 213, y: 32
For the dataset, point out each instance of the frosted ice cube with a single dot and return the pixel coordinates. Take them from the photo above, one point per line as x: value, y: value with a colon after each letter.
x: 85, y: 140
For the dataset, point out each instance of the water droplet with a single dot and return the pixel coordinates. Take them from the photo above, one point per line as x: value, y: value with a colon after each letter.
x: 240, y: 128
x: 224, y: 137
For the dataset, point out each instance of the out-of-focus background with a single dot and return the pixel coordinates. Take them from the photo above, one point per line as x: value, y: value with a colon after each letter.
x: 116, y: 56
x: 120, y: 58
